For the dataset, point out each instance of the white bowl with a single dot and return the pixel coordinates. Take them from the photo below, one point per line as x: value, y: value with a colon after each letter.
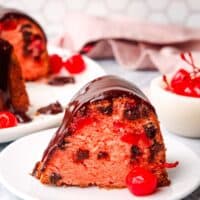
x: 179, y: 114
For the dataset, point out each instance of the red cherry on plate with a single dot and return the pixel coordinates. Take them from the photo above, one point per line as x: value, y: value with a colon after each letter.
x: 75, y: 64
x: 56, y: 63
x: 7, y: 119
x: 141, y: 181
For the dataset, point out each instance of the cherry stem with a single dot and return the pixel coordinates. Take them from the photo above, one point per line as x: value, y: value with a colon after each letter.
x: 166, y: 82
x: 190, y: 62
x: 171, y: 165
x: 191, y: 58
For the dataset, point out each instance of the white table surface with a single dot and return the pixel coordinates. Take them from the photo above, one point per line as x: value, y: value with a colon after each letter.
x: 142, y: 79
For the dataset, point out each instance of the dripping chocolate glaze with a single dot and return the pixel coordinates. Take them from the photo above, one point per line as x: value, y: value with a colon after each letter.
x: 101, y: 88
x: 5, y: 55
x: 6, y: 13
x: 6, y: 50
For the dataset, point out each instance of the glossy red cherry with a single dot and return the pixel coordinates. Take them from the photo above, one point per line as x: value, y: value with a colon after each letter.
x: 180, y: 79
x: 141, y: 182
x: 56, y: 63
x: 80, y: 123
x: 36, y: 44
x: 182, y: 89
x: 134, y: 139
x: 196, y: 81
x: 146, y: 141
x: 196, y: 86
x: 7, y: 119
x: 184, y: 82
x: 189, y: 90
x: 9, y: 25
x: 36, y: 47
x: 131, y: 138
x: 75, y: 64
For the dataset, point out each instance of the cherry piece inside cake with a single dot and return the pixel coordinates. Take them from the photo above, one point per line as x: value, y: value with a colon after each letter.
x: 29, y: 42
x: 109, y: 129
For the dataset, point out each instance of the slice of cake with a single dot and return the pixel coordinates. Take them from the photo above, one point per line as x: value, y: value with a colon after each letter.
x: 29, y: 42
x: 109, y: 128
x: 13, y: 94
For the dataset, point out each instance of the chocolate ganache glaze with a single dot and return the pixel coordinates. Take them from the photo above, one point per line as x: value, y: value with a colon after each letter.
x: 106, y: 87
x: 5, y: 57
x: 6, y: 51
x: 9, y: 13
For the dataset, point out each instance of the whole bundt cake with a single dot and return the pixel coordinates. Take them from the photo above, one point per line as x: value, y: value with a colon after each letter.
x: 29, y: 42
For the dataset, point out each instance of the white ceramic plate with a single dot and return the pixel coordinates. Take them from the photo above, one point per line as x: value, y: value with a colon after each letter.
x: 41, y: 94
x: 19, y: 158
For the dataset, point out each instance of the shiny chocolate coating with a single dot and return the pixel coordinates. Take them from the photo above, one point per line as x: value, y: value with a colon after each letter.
x: 5, y: 56
x: 106, y: 87
x: 6, y: 13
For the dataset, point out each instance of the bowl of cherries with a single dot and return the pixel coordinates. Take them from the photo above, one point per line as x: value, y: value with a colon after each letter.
x: 176, y: 98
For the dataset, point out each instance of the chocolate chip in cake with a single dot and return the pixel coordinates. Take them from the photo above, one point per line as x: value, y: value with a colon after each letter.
x: 81, y: 155
x: 154, y: 150
x: 106, y: 110
x: 37, y: 58
x: 27, y: 36
x: 37, y: 37
x: 145, y: 111
x: 102, y: 155
x: 150, y: 130
x: 132, y: 111
x: 135, y: 152
x: 91, y: 184
x: 54, y: 178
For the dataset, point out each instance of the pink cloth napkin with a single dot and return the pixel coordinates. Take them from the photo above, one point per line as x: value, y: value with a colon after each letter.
x: 134, y: 44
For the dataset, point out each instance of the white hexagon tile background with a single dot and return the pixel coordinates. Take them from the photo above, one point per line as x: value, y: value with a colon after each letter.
x: 50, y: 13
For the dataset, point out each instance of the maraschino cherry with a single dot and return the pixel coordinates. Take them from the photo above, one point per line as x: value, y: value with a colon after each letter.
x: 8, y: 25
x: 56, y: 63
x: 7, y: 119
x: 141, y: 181
x: 74, y: 65
x: 184, y: 82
